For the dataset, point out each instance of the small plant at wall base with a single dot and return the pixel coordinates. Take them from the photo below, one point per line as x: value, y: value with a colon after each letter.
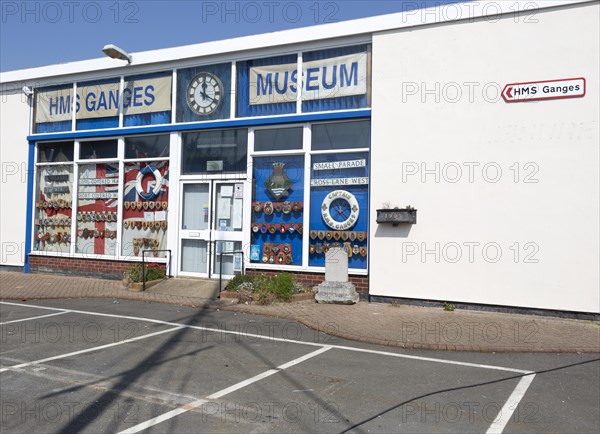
x: 153, y: 272
x: 449, y: 307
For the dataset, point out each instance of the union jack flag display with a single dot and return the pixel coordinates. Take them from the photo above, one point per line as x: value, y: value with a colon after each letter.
x: 147, y: 182
x: 97, y: 209
x: 145, y: 204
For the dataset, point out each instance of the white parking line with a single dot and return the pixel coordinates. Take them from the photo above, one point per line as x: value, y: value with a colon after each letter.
x: 510, y: 405
x: 497, y: 426
x: 292, y: 341
x: 33, y: 317
x: 430, y: 359
x: 75, y: 353
x: 221, y: 393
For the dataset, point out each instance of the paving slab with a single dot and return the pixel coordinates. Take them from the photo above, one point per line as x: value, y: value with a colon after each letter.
x: 187, y: 287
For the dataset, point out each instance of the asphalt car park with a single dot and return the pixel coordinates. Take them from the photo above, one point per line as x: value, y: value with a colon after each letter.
x: 119, y: 366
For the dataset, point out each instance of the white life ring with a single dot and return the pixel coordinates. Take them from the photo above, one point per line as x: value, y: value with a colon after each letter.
x: 138, y: 182
x: 352, y: 203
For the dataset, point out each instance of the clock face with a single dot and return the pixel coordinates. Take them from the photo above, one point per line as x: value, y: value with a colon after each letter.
x: 204, y: 93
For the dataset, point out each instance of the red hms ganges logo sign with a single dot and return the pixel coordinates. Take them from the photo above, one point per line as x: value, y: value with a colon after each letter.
x: 544, y: 90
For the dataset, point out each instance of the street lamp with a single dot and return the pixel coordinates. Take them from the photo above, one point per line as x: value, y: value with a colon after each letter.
x: 115, y: 52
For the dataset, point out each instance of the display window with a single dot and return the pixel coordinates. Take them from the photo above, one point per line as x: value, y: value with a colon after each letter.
x: 278, y: 139
x: 145, y: 208
x: 339, y: 212
x: 98, y: 149
x: 147, y: 146
x: 97, y: 211
x: 55, y: 152
x: 214, y: 152
x: 277, y: 210
x: 95, y: 192
x: 53, y: 216
x: 331, y: 136
x: 337, y: 180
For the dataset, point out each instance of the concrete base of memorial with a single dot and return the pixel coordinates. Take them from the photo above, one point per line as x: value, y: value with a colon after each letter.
x: 336, y: 292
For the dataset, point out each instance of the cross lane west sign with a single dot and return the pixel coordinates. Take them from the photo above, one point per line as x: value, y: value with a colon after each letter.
x: 544, y: 90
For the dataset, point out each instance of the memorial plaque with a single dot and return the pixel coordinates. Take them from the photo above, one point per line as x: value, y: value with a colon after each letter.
x: 336, y: 265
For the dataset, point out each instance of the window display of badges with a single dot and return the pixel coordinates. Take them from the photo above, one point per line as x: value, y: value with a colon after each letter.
x: 339, y: 198
x: 97, y: 199
x: 277, y: 209
x: 53, y: 209
x: 145, y: 208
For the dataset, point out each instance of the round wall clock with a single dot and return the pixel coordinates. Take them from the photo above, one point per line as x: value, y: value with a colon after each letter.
x: 204, y: 93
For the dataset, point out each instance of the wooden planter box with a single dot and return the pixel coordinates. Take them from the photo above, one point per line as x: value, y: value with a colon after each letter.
x: 396, y: 216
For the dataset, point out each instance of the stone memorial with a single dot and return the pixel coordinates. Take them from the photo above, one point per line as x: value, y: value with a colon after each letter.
x: 336, y: 288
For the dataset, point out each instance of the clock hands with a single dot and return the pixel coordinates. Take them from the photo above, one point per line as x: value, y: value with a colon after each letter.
x: 205, y: 96
x: 341, y: 211
x: 203, y: 92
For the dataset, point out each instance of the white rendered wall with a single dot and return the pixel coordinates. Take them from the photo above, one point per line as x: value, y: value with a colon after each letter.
x: 553, y: 142
x: 14, y: 128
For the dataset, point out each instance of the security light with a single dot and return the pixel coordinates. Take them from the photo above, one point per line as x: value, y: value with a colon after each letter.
x: 115, y: 52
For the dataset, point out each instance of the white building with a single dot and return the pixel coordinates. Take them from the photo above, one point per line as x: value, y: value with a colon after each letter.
x: 481, y: 115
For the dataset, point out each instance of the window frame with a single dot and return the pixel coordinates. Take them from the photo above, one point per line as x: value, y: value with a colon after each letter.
x: 308, y: 153
x: 75, y: 164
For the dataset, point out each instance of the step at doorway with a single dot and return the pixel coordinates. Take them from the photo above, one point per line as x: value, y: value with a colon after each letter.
x: 189, y: 287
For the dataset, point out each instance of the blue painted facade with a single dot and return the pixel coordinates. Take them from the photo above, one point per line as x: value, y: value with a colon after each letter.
x: 245, y: 115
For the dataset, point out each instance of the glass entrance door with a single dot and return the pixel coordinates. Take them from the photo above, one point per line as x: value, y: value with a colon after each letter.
x: 211, y: 228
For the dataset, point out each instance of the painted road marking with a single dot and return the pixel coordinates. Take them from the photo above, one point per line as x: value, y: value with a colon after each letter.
x: 497, y: 426
x: 75, y: 353
x: 195, y: 404
x: 292, y: 341
x: 431, y: 359
x: 33, y: 317
x: 510, y: 405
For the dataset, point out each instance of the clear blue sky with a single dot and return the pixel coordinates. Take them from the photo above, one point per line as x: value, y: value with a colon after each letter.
x: 38, y: 33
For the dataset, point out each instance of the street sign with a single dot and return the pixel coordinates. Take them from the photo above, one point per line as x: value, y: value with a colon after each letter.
x: 544, y: 90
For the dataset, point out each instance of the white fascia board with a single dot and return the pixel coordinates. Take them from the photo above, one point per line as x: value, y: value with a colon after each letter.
x: 154, y: 59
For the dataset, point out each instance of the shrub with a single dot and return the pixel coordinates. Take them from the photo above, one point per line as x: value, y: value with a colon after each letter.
x: 153, y: 272
x: 237, y: 280
x: 265, y: 289
x: 282, y: 286
x: 449, y: 307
